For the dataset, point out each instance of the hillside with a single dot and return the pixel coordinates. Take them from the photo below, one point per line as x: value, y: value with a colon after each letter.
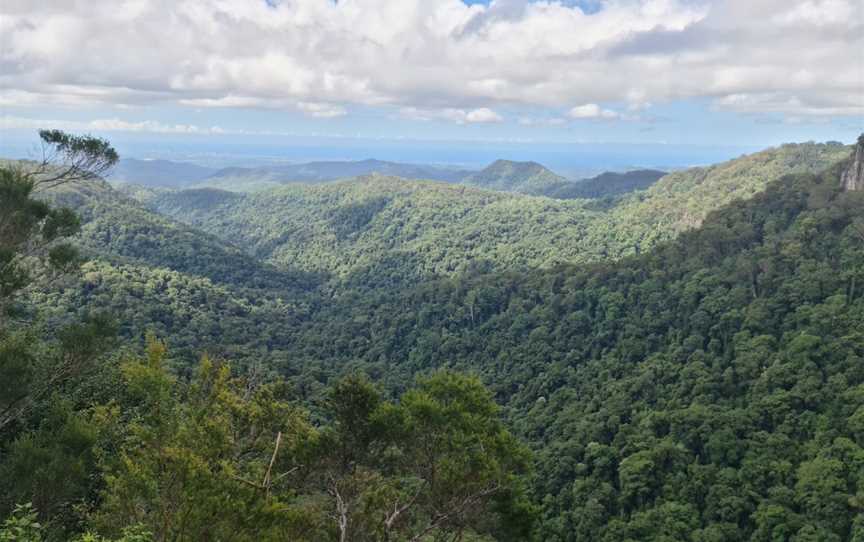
x: 605, y: 185
x: 377, y: 230
x: 681, y: 200
x: 380, y: 229
x: 159, y: 173
x: 509, y: 176
x: 117, y: 228
x: 250, y: 179
x: 708, y: 390
x: 152, y: 273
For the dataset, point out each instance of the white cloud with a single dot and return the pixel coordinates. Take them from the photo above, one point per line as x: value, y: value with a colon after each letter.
x: 110, y: 125
x: 441, y: 58
x: 592, y: 111
x: 322, y: 111
x: 785, y: 102
x: 482, y: 115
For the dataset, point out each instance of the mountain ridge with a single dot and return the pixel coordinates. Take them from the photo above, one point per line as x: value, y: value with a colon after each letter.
x: 440, y: 228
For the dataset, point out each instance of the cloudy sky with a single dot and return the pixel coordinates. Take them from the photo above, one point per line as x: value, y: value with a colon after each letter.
x: 752, y: 72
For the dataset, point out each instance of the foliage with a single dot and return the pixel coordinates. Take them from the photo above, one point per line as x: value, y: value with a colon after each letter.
x: 522, y: 177
x: 406, y: 231
x: 605, y: 185
x: 21, y: 525
x: 710, y: 388
x: 31, y: 239
x: 438, y: 462
x: 188, y: 466
x: 68, y: 158
x: 225, y: 458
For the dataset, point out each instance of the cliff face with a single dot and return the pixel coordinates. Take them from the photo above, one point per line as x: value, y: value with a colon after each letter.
x: 853, y: 177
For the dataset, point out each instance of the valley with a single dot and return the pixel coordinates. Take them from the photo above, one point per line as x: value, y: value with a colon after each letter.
x: 629, y: 337
x: 432, y: 271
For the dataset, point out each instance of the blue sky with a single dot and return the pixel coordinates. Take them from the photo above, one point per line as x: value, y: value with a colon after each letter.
x: 734, y: 73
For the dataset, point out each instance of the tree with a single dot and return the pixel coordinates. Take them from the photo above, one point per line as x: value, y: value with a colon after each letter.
x: 68, y: 158
x: 193, y: 454
x: 31, y: 231
x: 46, y: 441
x: 438, y: 462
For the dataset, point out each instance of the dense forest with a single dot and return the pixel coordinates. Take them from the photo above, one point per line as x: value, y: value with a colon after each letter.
x: 510, y: 176
x: 605, y: 185
x: 386, y: 359
x: 380, y: 231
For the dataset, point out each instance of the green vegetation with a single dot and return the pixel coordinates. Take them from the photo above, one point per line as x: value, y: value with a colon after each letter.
x: 406, y: 231
x: 522, y: 177
x: 681, y: 200
x: 605, y: 185
x: 96, y: 438
x: 684, y: 363
x: 379, y: 231
x: 239, y: 179
x: 701, y: 391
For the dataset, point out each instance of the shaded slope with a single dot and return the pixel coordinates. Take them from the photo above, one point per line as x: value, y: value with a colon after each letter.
x: 420, y: 228
x: 119, y: 229
x: 605, y: 185
x: 152, y: 273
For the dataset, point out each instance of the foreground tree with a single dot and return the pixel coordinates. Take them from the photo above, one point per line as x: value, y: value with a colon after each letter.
x: 221, y: 459
x: 208, y: 460
x: 32, y: 233
x: 68, y: 158
x: 45, y: 456
x: 438, y: 463
x: 33, y: 252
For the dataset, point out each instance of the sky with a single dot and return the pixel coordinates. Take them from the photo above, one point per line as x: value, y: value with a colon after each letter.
x: 514, y: 73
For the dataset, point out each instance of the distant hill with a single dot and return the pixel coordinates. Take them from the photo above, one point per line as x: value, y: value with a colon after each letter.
x: 384, y: 228
x: 118, y: 229
x: 161, y: 173
x: 248, y: 179
x: 605, y: 185
x: 378, y: 230
x: 509, y: 176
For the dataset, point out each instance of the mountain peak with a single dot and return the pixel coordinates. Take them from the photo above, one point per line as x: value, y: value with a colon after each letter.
x: 514, y: 164
x: 512, y: 176
x: 853, y: 177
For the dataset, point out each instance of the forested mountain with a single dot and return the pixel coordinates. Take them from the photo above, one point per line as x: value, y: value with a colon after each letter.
x: 245, y: 179
x: 509, y: 176
x: 156, y: 274
x: 685, y: 364
x: 161, y: 173
x: 381, y: 230
x: 709, y: 390
x: 101, y: 438
x: 605, y: 185
x: 385, y: 229
x: 681, y: 200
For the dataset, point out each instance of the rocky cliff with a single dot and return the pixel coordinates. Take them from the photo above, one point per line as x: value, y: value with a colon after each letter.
x: 853, y: 177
